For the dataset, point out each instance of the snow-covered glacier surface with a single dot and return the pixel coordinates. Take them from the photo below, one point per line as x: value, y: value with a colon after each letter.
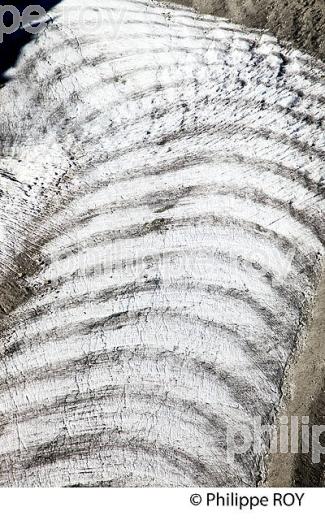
x: 161, y: 224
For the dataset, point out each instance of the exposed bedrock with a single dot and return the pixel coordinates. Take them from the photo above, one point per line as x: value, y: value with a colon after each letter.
x: 162, y: 229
